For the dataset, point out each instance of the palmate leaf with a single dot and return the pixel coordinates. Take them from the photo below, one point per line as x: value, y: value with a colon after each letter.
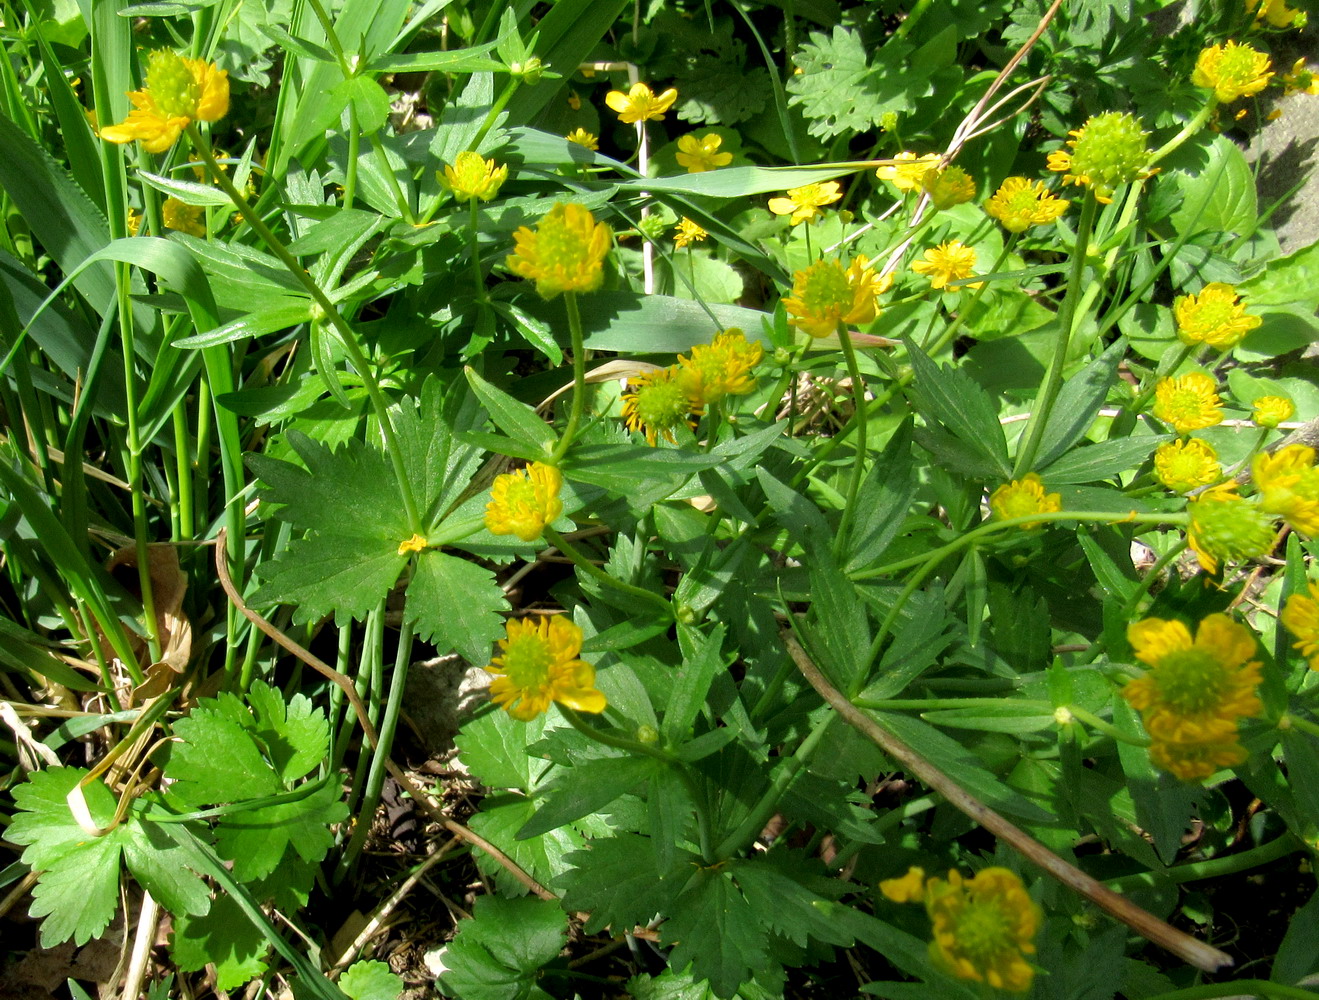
x: 840, y: 91
x: 499, y: 951
x: 456, y: 604
x: 225, y: 937
x: 257, y: 839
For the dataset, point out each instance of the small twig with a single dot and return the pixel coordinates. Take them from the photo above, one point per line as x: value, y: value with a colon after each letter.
x: 1197, y: 953
x: 349, y: 689
x: 147, y: 918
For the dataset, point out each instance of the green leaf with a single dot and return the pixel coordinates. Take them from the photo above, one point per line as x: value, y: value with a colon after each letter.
x: 368, y: 99
x: 225, y: 937
x: 702, y: 659
x: 617, y: 882
x: 1220, y: 197
x: 633, y: 323
x: 295, y: 735
x: 255, y: 839
x: 457, y: 605
x: 1094, y: 463
x: 370, y: 981
x: 188, y: 192
x: 715, y: 931
x: 793, y: 897
x: 587, y: 788
x: 498, y: 952
x: 636, y: 471
x: 161, y: 867
x: 883, y: 501
x: 542, y: 857
x: 955, y: 400
x: 997, y: 715
x: 335, y: 574
x: 1078, y: 404
x: 1289, y: 281
x: 217, y: 760
x: 517, y: 420
x: 1298, y: 955
x: 493, y: 747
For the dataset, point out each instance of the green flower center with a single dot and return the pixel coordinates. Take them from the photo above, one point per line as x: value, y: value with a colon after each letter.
x: 1110, y: 150
x: 662, y: 404
x: 526, y: 662
x: 1191, y: 681
x: 1237, y: 66
x: 172, y: 85
x: 984, y: 932
x: 826, y: 289
x: 521, y: 496
x: 561, y: 247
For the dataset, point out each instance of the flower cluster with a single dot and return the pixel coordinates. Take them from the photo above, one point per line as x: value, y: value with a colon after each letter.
x: 1194, y: 692
x: 1213, y: 317
x: 1020, y: 203
x: 178, y: 92
x: 538, y: 664
x: 1023, y: 497
x: 804, y: 203
x: 1107, y: 151
x: 1231, y: 71
x: 827, y: 294
x: 982, y: 928
x: 687, y: 232
x: 565, y: 252
x: 523, y: 502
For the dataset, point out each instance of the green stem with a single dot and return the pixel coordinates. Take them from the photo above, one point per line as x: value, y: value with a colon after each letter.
x: 354, y: 150
x: 860, y: 418
x: 478, y: 279
x: 1053, y: 379
x: 578, y: 379
x: 595, y: 572
x: 634, y: 747
x: 1238, y: 988
x: 400, y: 199
x: 1107, y: 728
x: 1277, y: 848
x: 1188, y: 130
x: 501, y: 102
x: 331, y: 313
x: 1298, y: 722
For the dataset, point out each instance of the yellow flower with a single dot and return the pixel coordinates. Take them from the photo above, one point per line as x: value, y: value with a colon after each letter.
x: 687, y: 232
x: 1225, y: 526
x: 1231, y: 71
x: 524, y: 501
x: 1288, y: 486
x: 947, y: 262
x: 983, y: 928
x: 583, y: 138
x: 825, y: 294
x: 1188, y: 402
x: 1023, y: 497
x: 910, y: 888
x: 1277, y: 13
x: 1107, y: 151
x: 1020, y: 203
x: 907, y: 172
x: 948, y: 187
x: 1213, y: 317
x: 700, y: 155
x: 184, y: 218
x: 538, y: 664
x: 134, y: 222
x: 804, y: 203
x: 1301, y: 616
x: 1187, y: 465
x: 178, y: 92
x: 1194, y: 692
x: 473, y: 176
x: 1270, y: 411
x: 640, y: 104
x: 1300, y: 80
x: 565, y: 253
x: 720, y: 368
x: 656, y: 402
x: 417, y: 543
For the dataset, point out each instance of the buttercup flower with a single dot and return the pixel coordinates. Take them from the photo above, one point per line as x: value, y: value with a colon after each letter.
x: 565, y: 253
x: 1187, y: 465
x: 417, y: 543
x: 804, y: 203
x: 1226, y: 527
x: 720, y: 368
x: 524, y: 501
x: 947, y: 262
x: 583, y: 138
x: 687, y: 232
x: 1107, y: 151
x: 178, y: 91
x: 1194, y: 692
x: 473, y: 176
x: 1288, y: 486
x: 909, y: 170
x: 983, y: 928
x: 640, y: 104
x: 1188, y: 402
x: 825, y: 294
x: 134, y: 222
x: 1300, y: 80
x: 1301, y: 617
x: 1213, y: 317
x: 538, y: 664
x: 910, y: 888
x: 1231, y: 71
x: 656, y: 402
x: 1270, y: 411
x: 948, y: 187
x: 701, y: 154
x: 1277, y: 13
x: 1022, y: 497
x: 183, y: 218
x: 1020, y: 203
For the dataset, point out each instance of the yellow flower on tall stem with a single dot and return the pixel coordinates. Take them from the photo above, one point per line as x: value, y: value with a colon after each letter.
x: 565, y: 252
x: 907, y: 172
x: 1194, y: 692
x: 951, y: 261
x: 583, y: 138
x: 699, y: 154
x: 1107, y: 151
x: 538, y: 664
x: 983, y: 927
x: 640, y: 104
x: 1301, y: 617
x: 804, y: 203
x: 827, y: 294
x: 1023, y: 497
x: 524, y: 501
x: 1288, y: 485
x: 1214, y: 316
x: 1020, y: 203
x: 656, y: 402
x: 1231, y: 71
x: 720, y: 368
x: 687, y: 232
x: 1188, y: 402
x: 1187, y: 465
x: 178, y: 92
x: 473, y: 176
